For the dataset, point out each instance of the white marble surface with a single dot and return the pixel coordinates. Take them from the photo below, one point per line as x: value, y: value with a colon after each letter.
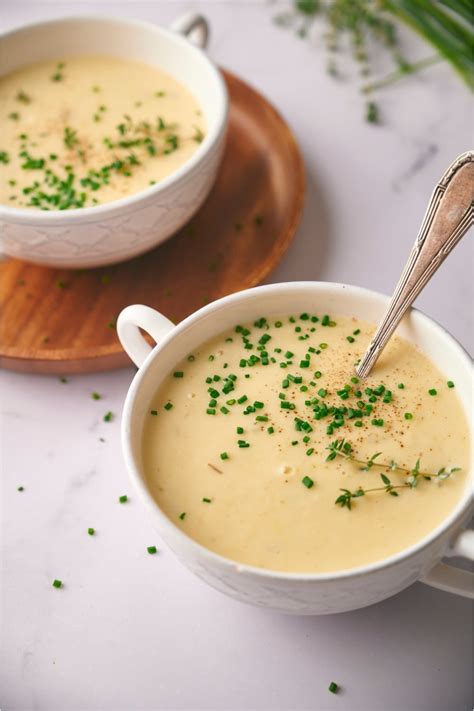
x: 131, y: 631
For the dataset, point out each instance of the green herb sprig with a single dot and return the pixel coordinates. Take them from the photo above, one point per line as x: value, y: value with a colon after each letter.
x: 342, y: 448
x: 446, y: 25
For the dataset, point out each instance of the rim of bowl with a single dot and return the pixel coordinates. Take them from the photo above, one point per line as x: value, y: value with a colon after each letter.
x: 208, y: 144
x: 460, y: 510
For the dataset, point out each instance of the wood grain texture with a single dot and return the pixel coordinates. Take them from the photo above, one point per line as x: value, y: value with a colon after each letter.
x: 63, y: 321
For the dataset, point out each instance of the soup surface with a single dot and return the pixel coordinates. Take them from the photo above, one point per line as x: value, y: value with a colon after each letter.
x: 91, y: 129
x: 242, y: 445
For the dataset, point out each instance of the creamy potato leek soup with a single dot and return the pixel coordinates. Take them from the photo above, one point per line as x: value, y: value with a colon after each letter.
x: 91, y: 129
x: 264, y: 447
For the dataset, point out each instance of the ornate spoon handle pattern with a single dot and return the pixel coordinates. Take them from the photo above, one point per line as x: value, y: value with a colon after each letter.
x: 449, y: 215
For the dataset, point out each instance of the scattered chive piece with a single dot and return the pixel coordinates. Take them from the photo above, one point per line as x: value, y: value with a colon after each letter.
x: 108, y: 417
x: 153, y: 412
x: 309, y: 451
x: 308, y: 482
x: 182, y: 516
x: 168, y: 406
x: 96, y: 396
x: 240, y: 430
x: 270, y: 430
x: 91, y: 531
x: 351, y: 339
x: 433, y: 391
x: 21, y: 488
x: 408, y: 416
x: 450, y: 384
x: 123, y: 499
x: 354, y: 380
x: 178, y: 374
x: 401, y: 386
x: 151, y: 550
x: 224, y: 455
x: 206, y: 501
x: 333, y: 687
x: 57, y: 583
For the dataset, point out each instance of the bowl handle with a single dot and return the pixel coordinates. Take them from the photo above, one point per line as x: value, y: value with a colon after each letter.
x: 193, y: 26
x: 448, y: 577
x: 129, y: 322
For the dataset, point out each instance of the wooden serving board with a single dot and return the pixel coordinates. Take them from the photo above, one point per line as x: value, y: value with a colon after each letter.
x: 63, y: 321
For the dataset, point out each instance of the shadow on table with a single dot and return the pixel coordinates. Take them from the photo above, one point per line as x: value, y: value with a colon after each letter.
x: 307, y: 255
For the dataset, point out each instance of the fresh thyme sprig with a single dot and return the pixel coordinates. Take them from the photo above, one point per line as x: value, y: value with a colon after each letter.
x: 342, y: 448
x: 446, y: 25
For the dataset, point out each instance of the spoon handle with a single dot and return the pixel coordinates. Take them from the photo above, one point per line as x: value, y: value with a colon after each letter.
x: 449, y: 215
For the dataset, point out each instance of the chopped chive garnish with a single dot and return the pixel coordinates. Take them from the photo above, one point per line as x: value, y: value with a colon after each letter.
x: 57, y: 583
x: 242, y: 399
x: 206, y: 500
x: 224, y: 455
x: 450, y: 384
x: 182, y: 516
x: 261, y: 418
x: 351, y: 339
x: 123, y: 499
x: 91, y: 531
x: 151, y: 550
x: 408, y: 416
x: 308, y: 482
x: 109, y: 416
x: 401, y: 386
x: 433, y: 391
x: 270, y: 430
x: 377, y: 422
x: 21, y: 488
x: 96, y: 396
x: 309, y: 451
x: 243, y: 444
x: 240, y: 430
x: 323, y: 346
x: 153, y: 412
x: 168, y: 406
x: 317, y: 374
x: 333, y: 687
x: 178, y: 374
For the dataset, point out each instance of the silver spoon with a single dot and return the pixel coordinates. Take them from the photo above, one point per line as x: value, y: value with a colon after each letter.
x: 449, y: 215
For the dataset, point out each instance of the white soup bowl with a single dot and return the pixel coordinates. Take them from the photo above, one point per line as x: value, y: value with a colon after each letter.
x: 298, y: 593
x: 124, y: 228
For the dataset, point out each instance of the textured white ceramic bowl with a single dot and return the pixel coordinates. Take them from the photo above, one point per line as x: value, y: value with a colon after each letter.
x: 292, y: 592
x: 94, y: 236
